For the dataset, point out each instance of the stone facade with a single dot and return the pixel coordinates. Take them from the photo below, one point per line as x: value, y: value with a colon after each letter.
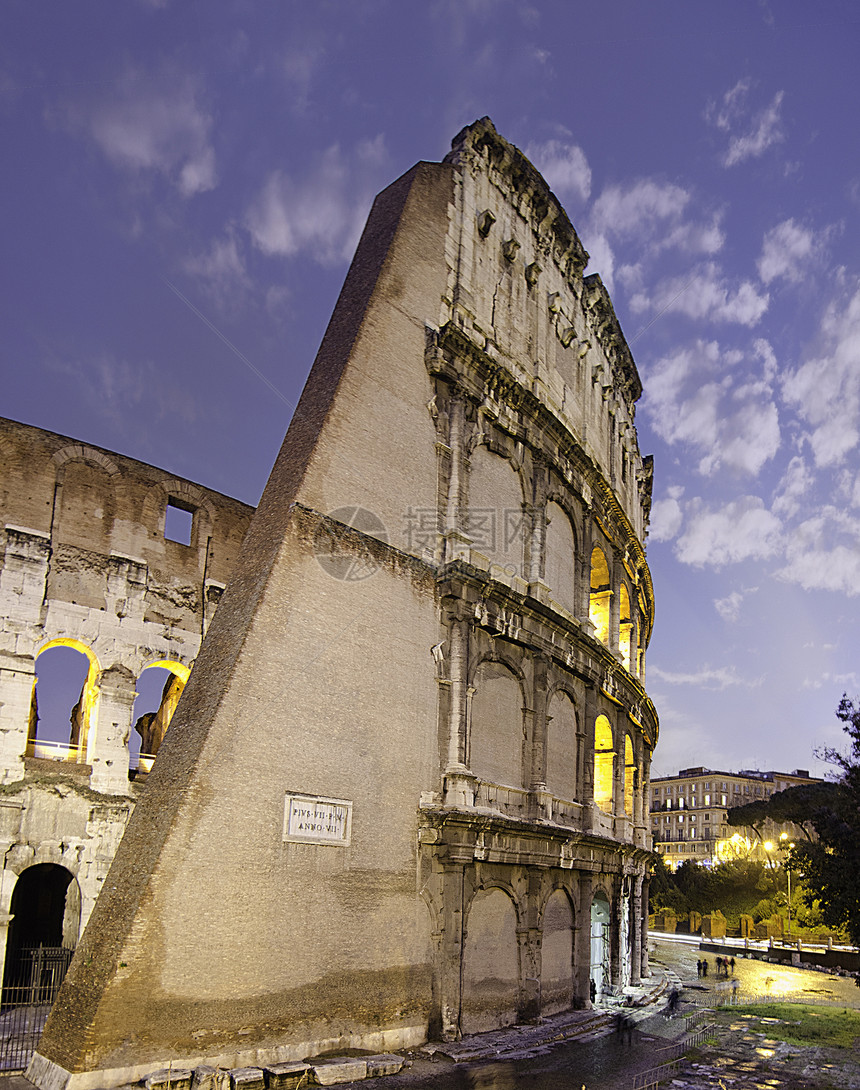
x: 85, y: 563
x: 405, y: 790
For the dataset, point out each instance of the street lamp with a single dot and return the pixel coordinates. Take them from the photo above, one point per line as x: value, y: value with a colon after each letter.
x: 784, y: 838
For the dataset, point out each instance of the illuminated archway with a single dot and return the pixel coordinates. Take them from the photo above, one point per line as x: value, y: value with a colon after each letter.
x: 629, y: 775
x: 604, y: 763
x: 625, y: 631
x: 598, y: 608
x: 150, y: 725
x: 74, y: 745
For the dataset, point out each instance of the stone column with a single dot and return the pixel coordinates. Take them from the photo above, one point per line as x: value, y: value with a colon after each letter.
x: 17, y: 680
x: 584, y: 573
x: 615, y: 932
x: 615, y: 580
x: 636, y: 931
x: 537, y: 771
x: 450, y: 967
x: 108, y: 753
x: 585, y: 771
x: 458, y: 780
x: 582, y: 944
x: 645, y: 971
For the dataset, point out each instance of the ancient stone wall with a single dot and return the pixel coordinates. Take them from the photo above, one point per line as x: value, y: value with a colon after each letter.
x: 87, y: 562
x: 404, y: 792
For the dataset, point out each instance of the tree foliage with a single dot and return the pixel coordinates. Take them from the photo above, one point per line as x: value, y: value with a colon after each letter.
x: 831, y: 864
x: 795, y: 804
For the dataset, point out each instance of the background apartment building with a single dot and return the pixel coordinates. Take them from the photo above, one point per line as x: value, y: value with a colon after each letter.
x: 689, y: 814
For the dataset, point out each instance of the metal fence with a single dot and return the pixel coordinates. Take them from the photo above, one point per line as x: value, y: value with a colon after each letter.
x: 30, y: 985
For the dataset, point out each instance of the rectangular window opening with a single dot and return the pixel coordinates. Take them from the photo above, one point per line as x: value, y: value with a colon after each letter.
x: 178, y: 522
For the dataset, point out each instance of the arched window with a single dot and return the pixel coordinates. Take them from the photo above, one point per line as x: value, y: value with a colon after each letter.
x: 561, y: 748
x: 159, y: 688
x: 496, y: 740
x: 598, y: 611
x: 560, y: 564
x: 629, y: 775
x: 491, y: 973
x: 494, y: 516
x: 625, y: 632
x: 604, y: 763
x: 65, y: 698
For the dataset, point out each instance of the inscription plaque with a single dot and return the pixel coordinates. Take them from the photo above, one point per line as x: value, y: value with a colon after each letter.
x: 313, y: 819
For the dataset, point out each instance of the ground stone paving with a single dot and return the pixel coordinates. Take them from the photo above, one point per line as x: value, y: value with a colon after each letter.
x: 740, y: 1056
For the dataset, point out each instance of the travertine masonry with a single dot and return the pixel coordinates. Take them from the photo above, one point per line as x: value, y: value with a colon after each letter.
x: 84, y: 563
x: 438, y: 623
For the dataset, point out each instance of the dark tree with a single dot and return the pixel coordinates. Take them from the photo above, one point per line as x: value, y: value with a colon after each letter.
x: 795, y: 804
x: 831, y: 864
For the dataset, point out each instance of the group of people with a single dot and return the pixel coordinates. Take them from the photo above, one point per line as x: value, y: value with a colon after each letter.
x: 724, y: 966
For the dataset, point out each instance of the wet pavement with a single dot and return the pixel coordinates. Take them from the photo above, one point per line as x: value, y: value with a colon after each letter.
x: 755, y: 978
x: 580, y: 1050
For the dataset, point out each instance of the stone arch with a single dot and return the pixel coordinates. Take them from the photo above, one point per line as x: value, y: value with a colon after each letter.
x: 626, y: 630
x: 600, y: 594
x: 78, y: 452
x: 629, y: 774
x: 84, y: 516
x: 83, y: 712
x: 561, y: 746
x: 44, y: 904
x: 496, y: 732
x: 493, y: 518
x: 557, y: 931
x: 600, y: 917
x: 604, y: 763
x: 560, y: 556
x: 151, y: 726
x: 491, y: 962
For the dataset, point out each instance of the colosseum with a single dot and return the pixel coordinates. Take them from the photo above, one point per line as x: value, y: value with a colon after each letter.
x: 403, y: 794
x: 93, y: 571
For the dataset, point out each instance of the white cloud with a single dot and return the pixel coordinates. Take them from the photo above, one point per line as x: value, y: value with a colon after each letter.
x: 564, y: 166
x: 823, y: 553
x: 708, y: 677
x: 638, y: 209
x: 750, y: 132
x: 742, y: 530
x: 666, y: 519
x: 155, y: 124
x: 221, y: 268
x: 729, y: 608
x: 789, y: 251
x: 695, y: 398
x: 601, y: 260
x: 826, y: 389
x: 706, y: 295
x: 795, y: 484
x: 321, y: 214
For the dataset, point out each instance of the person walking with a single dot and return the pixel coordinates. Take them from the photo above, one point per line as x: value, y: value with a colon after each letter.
x: 704, y: 966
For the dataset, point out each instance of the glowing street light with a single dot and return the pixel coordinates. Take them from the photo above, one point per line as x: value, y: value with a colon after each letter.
x: 787, y: 844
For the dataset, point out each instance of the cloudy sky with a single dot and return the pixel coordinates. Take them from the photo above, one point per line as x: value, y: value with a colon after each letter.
x: 184, y: 181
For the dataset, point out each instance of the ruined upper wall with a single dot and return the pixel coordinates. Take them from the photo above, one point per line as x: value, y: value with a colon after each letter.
x: 517, y: 290
x: 97, y: 511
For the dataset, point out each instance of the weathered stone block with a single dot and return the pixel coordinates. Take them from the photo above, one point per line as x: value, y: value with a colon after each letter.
x: 286, y: 1076
x: 338, y: 1069
x: 247, y: 1078
x: 385, y: 1064
x: 168, y: 1079
x: 205, y: 1078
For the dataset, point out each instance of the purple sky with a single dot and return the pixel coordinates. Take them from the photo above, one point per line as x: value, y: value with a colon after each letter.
x: 183, y: 184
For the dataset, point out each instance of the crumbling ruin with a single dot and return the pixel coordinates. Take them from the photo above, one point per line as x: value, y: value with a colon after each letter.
x: 404, y: 791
